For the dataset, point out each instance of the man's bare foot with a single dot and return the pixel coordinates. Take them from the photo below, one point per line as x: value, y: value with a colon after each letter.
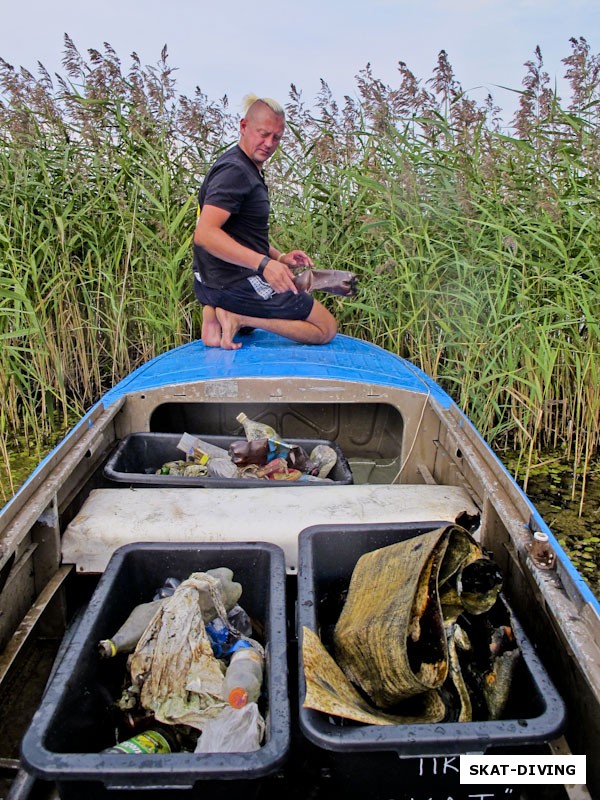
x: 211, y: 328
x: 230, y: 325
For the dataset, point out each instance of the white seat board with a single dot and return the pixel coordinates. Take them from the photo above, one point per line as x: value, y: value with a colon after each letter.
x: 110, y: 518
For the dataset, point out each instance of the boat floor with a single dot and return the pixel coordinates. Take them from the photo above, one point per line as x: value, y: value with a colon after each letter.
x: 22, y: 692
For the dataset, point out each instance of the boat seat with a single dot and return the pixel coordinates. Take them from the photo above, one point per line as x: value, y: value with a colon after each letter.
x: 110, y: 518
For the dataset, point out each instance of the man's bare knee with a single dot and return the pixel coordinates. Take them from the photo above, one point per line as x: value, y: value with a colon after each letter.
x: 324, y: 321
x: 328, y: 332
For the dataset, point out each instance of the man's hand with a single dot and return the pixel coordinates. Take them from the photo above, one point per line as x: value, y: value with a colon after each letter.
x: 279, y: 277
x: 296, y: 258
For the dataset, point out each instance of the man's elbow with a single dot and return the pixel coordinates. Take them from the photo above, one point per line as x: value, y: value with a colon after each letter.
x: 200, y: 237
x: 208, y: 227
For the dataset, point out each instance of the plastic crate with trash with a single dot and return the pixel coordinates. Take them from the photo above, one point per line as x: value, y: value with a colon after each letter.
x: 139, y: 457
x: 374, y: 651
x: 84, y: 714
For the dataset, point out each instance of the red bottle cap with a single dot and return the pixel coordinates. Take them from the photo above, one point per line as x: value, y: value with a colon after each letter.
x: 238, y: 697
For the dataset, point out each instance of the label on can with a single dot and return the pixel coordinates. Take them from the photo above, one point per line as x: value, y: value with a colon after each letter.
x: 146, y: 742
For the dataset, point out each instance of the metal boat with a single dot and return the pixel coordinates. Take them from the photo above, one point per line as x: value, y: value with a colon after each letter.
x: 414, y: 457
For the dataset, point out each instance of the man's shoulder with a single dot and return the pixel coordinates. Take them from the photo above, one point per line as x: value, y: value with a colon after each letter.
x: 235, y: 157
x: 232, y: 164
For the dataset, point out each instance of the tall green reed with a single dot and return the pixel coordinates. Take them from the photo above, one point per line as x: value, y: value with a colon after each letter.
x: 478, y: 253
x: 476, y: 248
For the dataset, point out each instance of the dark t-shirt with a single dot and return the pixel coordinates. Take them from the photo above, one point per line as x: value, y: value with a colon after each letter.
x: 234, y: 184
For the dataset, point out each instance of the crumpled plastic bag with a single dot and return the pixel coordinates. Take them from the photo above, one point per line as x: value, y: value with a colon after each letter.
x: 173, y: 666
x: 234, y: 730
x: 222, y: 468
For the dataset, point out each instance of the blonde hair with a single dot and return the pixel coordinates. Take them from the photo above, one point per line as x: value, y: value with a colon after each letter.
x: 250, y: 99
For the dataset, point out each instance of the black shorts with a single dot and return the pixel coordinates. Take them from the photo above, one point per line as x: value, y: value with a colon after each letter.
x: 253, y: 297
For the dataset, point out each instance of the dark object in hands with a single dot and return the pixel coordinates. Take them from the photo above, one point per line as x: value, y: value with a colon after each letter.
x: 334, y: 281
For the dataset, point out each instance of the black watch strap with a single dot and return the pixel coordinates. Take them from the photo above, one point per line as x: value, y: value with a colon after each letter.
x: 262, y: 265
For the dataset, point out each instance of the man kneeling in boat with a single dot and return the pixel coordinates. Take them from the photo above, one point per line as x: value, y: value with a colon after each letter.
x: 239, y: 277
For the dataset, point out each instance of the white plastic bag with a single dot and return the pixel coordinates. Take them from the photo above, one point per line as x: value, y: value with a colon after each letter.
x: 234, y: 730
x: 222, y: 468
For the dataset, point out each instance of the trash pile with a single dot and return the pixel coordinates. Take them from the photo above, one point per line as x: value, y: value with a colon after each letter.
x: 194, y: 671
x: 263, y: 455
x: 418, y: 636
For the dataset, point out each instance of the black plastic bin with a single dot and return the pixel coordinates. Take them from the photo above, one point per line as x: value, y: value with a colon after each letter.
x: 74, y: 723
x: 139, y: 455
x: 421, y: 761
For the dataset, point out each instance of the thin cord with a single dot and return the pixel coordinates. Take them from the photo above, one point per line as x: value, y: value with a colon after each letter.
x: 425, y: 402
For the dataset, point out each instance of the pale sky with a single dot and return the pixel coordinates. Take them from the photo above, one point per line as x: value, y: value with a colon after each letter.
x: 237, y: 47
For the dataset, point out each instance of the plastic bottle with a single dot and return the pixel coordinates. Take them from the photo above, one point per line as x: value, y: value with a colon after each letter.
x: 159, y: 739
x: 298, y: 458
x: 256, y: 430
x: 130, y: 632
x: 126, y: 638
x: 324, y: 458
x: 222, y: 468
x: 541, y: 551
x: 167, y: 589
x: 224, y: 638
x: 243, y: 679
x: 240, y: 620
x: 189, y: 444
x: 263, y: 451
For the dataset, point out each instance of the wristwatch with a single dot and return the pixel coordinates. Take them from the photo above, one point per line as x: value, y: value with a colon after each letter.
x: 262, y: 265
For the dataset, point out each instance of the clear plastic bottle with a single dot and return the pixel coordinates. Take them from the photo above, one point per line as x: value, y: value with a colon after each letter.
x: 240, y: 620
x: 167, y: 589
x: 256, y: 430
x: 126, y: 638
x: 244, y: 676
x: 130, y: 632
x: 195, y: 448
x: 541, y: 551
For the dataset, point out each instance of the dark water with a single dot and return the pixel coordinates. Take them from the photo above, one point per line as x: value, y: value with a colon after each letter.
x: 570, y: 507
x: 557, y: 496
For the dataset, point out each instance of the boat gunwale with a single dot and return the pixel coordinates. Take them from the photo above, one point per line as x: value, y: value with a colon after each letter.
x: 45, y: 480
